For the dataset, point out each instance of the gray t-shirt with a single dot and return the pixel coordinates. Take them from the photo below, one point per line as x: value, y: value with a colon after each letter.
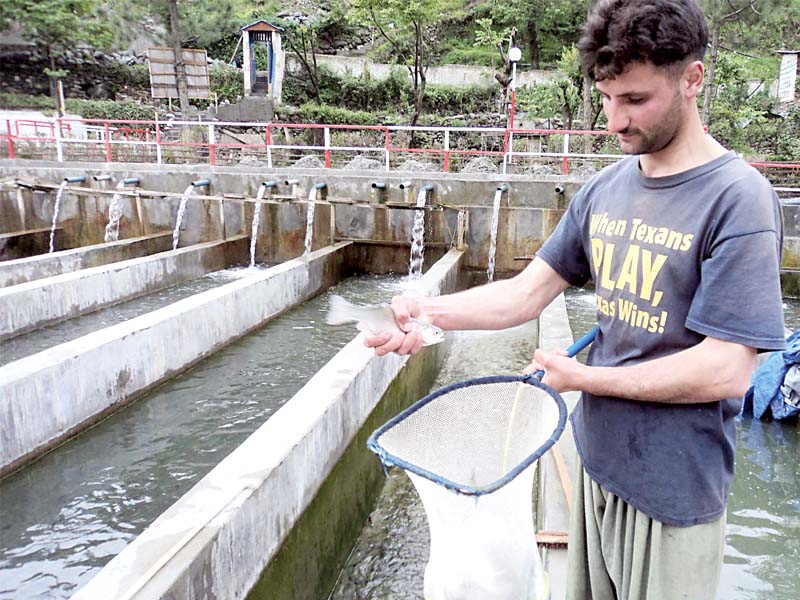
x: 674, y: 259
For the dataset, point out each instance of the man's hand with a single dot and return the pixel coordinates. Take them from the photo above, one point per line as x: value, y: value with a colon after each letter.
x: 560, y: 372
x: 406, y: 341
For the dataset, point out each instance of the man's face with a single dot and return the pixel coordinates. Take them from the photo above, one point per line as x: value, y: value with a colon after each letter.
x: 644, y: 107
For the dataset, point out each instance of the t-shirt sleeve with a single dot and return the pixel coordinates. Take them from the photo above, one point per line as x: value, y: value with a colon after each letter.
x: 564, y: 250
x: 739, y: 297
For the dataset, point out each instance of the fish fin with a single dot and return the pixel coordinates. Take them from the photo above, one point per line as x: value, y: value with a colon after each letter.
x: 339, y: 311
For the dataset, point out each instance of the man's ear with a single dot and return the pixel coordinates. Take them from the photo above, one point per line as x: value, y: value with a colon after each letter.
x: 692, y: 80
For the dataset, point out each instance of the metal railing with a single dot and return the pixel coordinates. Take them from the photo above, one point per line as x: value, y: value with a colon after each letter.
x: 387, y: 148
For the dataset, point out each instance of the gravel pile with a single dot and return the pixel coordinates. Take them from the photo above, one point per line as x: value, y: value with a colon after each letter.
x: 415, y: 165
x: 362, y: 163
x: 480, y: 164
x: 542, y: 170
x: 309, y: 162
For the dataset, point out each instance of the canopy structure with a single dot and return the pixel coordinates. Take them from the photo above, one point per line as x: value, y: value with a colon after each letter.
x: 261, y: 32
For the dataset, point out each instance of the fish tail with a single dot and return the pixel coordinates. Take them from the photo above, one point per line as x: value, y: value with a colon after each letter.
x: 339, y: 312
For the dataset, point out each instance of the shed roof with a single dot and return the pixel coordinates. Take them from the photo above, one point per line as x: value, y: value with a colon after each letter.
x: 262, y: 25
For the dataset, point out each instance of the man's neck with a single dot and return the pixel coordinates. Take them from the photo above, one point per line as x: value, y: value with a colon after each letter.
x: 691, y: 147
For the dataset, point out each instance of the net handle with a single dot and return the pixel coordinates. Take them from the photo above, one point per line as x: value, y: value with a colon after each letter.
x: 574, y: 349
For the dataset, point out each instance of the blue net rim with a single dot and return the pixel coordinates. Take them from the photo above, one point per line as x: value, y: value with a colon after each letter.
x: 390, y: 460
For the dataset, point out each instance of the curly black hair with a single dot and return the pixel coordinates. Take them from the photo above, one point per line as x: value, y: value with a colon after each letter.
x: 621, y: 32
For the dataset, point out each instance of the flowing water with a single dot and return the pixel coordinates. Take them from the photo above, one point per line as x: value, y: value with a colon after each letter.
x: 762, y: 546
x: 498, y: 196
x: 418, y: 237
x: 390, y: 555
x: 56, y: 208
x: 72, y: 511
x: 256, y: 221
x: 47, y: 337
x: 114, y: 216
x: 312, y: 202
x: 176, y: 233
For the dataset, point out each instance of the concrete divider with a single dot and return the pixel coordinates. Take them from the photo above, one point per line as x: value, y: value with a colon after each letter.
x: 34, y: 304
x: 21, y: 270
x: 50, y: 396
x: 277, y: 517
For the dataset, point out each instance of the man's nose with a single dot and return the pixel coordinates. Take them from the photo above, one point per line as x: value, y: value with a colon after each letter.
x: 617, y: 116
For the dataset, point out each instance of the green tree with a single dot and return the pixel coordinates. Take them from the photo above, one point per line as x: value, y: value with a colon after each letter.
x: 411, y: 28
x: 727, y: 16
x: 58, y: 25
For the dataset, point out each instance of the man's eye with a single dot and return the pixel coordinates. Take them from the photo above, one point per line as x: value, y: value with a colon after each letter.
x: 635, y: 100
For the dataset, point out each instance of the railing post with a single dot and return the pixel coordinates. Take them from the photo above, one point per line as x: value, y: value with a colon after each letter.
x: 109, y: 158
x: 59, y: 143
x: 212, y: 150
x: 446, y: 150
x: 386, y: 150
x: 327, y: 148
x: 565, y: 165
x: 10, y: 139
x: 268, y: 140
x: 159, y: 157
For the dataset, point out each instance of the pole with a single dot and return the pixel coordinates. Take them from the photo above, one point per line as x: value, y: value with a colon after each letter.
x: 513, y: 93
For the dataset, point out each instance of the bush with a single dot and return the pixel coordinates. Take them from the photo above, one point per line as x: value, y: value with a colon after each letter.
x: 332, y: 115
x: 226, y: 82
x: 88, y: 109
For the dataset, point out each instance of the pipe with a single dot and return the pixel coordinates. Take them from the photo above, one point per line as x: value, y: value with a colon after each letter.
x: 320, y: 186
x: 559, y: 189
x: 405, y: 185
x: 378, y: 185
x: 428, y: 187
x: 503, y: 187
x: 201, y: 183
x: 76, y: 179
x: 102, y: 177
x: 131, y: 181
x: 292, y: 181
x: 270, y: 184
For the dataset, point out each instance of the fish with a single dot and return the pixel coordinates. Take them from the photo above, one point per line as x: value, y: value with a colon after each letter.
x: 376, y: 318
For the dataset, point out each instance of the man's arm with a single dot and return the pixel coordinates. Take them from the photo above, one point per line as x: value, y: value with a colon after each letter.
x: 709, y: 371
x: 497, y: 305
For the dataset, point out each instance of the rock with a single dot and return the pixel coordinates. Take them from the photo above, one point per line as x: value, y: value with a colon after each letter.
x: 362, y: 163
x: 415, y: 165
x: 309, y: 162
x: 480, y: 164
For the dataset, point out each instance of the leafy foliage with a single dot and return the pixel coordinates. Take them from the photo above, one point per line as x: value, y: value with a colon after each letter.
x: 88, y: 109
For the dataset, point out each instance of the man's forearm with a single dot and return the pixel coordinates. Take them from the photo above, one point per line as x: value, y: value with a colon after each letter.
x: 710, y: 371
x: 498, y: 305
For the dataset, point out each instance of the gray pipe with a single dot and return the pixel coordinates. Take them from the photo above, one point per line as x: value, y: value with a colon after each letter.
x: 321, y: 185
x: 405, y: 185
x: 76, y: 179
x: 503, y: 187
x: 292, y: 181
x: 428, y: 187
x: 102, y: 177
x: 270, y: 184
x: 378, y: 185
x: 131, y: 181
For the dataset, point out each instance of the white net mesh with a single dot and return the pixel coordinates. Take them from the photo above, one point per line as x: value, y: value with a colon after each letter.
x: 482, y: 546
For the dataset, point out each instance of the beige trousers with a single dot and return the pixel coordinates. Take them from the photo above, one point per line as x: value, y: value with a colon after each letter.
x: 618, y: 553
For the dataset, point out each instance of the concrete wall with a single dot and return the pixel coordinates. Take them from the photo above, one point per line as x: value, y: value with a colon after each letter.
x: 47, y: 397
x: 34, y: 304
x: 282, y: 227
x: 282, y: 495
x: 453, y: 75
x: 19, y: 244
x: 30, y: 268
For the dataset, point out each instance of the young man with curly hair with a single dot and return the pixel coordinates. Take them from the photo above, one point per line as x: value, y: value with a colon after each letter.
x: 682, y: 240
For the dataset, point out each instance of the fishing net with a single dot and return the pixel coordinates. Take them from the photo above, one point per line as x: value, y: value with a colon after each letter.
x: 470, y: 450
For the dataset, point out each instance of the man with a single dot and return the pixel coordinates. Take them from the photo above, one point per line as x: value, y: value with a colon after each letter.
x: 682, y: 240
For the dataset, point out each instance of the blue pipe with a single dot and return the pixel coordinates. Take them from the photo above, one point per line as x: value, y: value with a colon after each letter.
x: 320, y: 186
x: 131, y: 181
x: 405, y: 184
x: 270, y: 184
x: 428, y: 187
x: 77, y: 179
x: 201, y: 183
